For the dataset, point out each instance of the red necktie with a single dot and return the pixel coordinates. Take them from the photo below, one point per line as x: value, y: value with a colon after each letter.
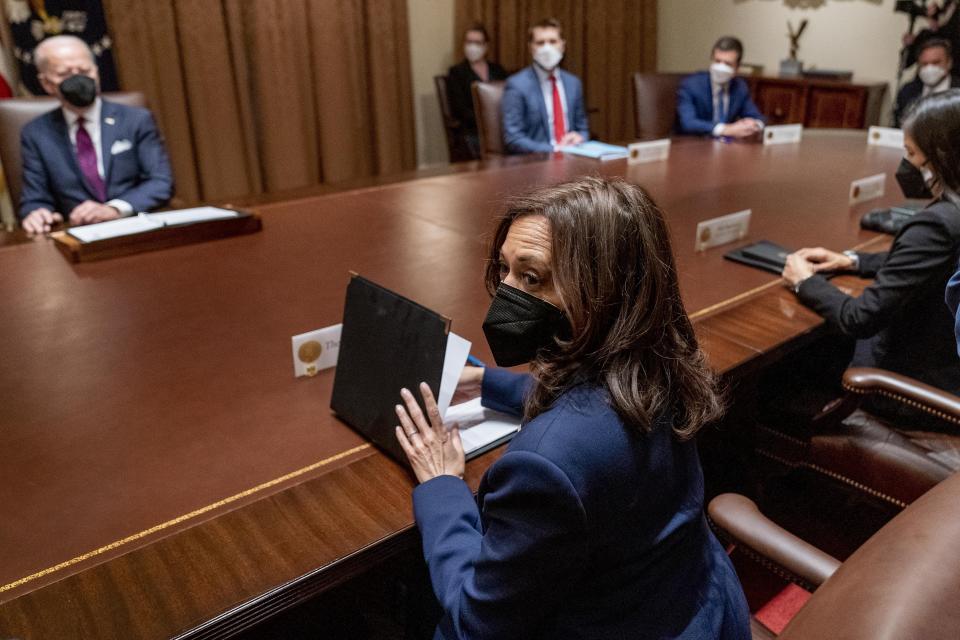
x: 559, y: 128
x: 87, y: 158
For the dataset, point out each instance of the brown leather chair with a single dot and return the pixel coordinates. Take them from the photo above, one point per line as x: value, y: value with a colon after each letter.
x: 904, y: 582
x: 16, y: 112
x: 456, y: 146
x: 655, y: 104
x: 487, y: 97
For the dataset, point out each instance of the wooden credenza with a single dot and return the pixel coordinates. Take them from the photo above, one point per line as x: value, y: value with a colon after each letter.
x: 818, y: 103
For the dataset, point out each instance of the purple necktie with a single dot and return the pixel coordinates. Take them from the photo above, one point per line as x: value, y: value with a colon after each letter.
x: 87, y: 157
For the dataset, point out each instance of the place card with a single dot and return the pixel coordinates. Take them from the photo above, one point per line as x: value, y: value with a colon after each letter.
x: 653, y: 151
x: 885, y: 137
x: 867, y: 188
x: 782, y: 133
x: 316, y: 350
x: 717, y: 231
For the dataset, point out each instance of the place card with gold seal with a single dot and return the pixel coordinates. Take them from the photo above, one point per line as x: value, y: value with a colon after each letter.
x: 868, y: 188
x: 315, y: 351
x: 652, y: 151
x: 782, y: 134
x: 885, y: 137
x: 718, y: 231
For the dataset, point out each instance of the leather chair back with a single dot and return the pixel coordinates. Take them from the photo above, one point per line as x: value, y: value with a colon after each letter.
x: 456, y: 145
x: 487, y: 97
x: 17, y: 112
x: 904, y: 582
x: 655, y: 104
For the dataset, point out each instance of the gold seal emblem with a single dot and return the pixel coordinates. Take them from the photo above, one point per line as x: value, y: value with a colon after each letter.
x: 769, y: 135
x: 308, y: 353
x: 856, y: 191
x: 876, y: 135
x: 705, y: 235
x: 635, y: 153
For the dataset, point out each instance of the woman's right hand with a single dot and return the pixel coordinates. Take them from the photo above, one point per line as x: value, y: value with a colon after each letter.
x: 825, y: 260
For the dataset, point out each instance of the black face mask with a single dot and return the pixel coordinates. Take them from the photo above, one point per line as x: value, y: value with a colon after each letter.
x: 518, y: 325
x: 80, y: 91
x: 911, y: 181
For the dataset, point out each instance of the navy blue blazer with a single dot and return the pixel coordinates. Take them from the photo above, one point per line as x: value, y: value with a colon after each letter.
x: 139, y: 172
x: 526, y: 124
x: 584, y: 528
x: 695, y: 104
x: 952, y: 298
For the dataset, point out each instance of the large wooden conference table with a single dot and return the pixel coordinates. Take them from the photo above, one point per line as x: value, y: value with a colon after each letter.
x: 164, y: 475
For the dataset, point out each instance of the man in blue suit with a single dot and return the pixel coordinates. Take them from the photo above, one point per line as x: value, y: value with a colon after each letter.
x: 89, y: 160
x: 716, y: 102
x: 534, y: 95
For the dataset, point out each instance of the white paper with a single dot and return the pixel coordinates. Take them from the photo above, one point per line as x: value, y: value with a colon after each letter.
x: 717, y: 231
x: 653, y: 151
x: 782, y: 133
x: 885, y: 137
x: 480, y: 426
x: 868, y: 188
x: 315, y: 351
x: 188, y: 216
x: 453, y: 361
x: 114, y: 228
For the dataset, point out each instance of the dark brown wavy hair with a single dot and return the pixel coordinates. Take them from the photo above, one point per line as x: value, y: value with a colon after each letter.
x: 614, y: 269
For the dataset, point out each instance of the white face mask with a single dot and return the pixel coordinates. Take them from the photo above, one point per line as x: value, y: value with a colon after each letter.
x: 931, y: 74
x: 548, y: 56
x: 720, y: 73
x: 474, y: 52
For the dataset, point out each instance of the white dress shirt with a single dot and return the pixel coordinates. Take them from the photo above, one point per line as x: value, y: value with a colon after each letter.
x: 547, y: 88
x: 720, y: 92
x: 91, y: 122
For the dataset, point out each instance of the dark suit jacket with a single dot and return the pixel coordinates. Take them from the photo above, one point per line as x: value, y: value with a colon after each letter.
x: 695, y: 104
x: 900, y: 319
x: 526, y: 125
x: 909, y: 94
x: 140, y: 174
x: 585, y: 529
x: 459, y: 78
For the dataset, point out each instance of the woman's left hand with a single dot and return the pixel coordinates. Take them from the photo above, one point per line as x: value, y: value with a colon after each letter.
x: 797, y: 269
x: 432, y: 450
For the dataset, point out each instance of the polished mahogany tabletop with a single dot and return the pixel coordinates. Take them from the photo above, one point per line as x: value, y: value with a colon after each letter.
x: 163, y: 471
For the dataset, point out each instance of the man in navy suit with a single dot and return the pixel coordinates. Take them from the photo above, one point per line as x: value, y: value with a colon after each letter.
x: 534, y: 96
x: 934, y: 74
x: 89, y: 160
x: 716, y: 102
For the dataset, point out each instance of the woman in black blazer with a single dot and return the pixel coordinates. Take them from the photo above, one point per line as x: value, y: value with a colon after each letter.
x: 900, y: 321
x: 475, y: 67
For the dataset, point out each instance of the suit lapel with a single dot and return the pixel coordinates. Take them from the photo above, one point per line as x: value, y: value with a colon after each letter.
x: 568, y: 91
x: 109, y: 126
x: 59, y: 124
x: 544, y: 116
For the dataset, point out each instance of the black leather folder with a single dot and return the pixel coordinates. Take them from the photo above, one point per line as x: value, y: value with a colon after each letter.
x: 388, y: 342
x: 762, y: 255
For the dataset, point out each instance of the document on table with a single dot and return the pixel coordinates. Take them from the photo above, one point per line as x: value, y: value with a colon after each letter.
x: 143, y: 222
x: 481, y: 428
x: 115, y: 228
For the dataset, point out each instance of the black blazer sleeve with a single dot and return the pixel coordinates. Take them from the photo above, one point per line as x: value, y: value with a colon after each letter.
x: 920, y: 252
x: 870, y: 264
x: 459, y: 94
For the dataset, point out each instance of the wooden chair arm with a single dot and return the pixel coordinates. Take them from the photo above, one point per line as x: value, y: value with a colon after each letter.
x: 739, y: 520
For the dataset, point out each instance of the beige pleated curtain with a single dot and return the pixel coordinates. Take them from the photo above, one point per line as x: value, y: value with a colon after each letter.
x: 607, y: 41
x: 259, y: 96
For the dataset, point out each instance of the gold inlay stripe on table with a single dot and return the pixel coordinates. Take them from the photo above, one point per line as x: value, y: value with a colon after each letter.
x: 183, y: 518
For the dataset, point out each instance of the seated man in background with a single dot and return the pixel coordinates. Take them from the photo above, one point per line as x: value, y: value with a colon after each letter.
x: 475, y: 67
x: 543, y: 104
x: 89, y: 160
x: 934, y: 74
x: 716, y: 102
